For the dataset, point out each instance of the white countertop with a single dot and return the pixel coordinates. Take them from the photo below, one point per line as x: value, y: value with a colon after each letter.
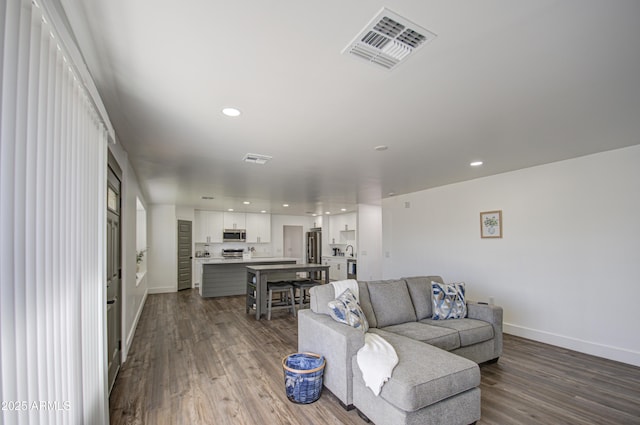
x: 220, y: 260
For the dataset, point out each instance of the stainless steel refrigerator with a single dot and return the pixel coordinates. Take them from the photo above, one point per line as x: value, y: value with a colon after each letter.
x: 314, y: 246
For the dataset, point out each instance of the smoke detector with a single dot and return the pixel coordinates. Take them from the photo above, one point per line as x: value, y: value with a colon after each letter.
x: 388, y: 40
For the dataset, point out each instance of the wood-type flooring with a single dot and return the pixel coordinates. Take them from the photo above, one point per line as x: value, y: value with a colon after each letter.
x: 200, y: 360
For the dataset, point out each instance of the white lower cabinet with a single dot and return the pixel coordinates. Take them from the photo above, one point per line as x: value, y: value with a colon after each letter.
x: 337, y: 267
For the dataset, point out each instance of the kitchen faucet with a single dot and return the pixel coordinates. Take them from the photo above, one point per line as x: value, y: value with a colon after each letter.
x: 349, y: 246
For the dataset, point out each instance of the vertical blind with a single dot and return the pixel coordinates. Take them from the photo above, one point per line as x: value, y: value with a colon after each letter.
x: 52, y: 229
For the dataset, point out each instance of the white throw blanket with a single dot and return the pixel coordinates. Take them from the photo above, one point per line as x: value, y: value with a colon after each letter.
x: 339, y: 286
x: 376, y: 360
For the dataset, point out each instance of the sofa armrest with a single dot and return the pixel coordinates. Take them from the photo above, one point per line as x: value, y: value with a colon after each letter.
x: 338, y: 343
x: 491, y: 314
x: 484, y: 312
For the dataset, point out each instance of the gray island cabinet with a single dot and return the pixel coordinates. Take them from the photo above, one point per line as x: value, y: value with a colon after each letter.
x: 224, y: 277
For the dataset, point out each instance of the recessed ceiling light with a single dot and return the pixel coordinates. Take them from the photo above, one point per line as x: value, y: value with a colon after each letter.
x: 327, y: 212
x: 246, y: 202
x: 285, y: 205
x: 476, y: 163
x: 263, y: 211
x: 381, y: 148
x: 343, y: 209
x: 231, y: 112
x: 230, y: 209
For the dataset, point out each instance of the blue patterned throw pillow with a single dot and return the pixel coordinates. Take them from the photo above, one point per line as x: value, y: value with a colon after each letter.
x: 448, y: 301
x: 345, y: 309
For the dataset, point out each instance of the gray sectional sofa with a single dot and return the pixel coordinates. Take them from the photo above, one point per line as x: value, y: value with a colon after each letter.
x: 437, y: 377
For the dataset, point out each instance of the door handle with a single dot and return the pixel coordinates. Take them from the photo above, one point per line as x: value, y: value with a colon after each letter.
x: 111, y: 301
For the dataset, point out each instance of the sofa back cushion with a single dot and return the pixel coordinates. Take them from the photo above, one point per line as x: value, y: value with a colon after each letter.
x: 365, y: 304
x: 320, y: 296
x: 391, y: 302
x: 420, y: 291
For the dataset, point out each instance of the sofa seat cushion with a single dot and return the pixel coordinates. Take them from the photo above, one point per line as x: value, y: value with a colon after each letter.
x: 471, y: 331
x: 438, y: 336
x: 424, y: 374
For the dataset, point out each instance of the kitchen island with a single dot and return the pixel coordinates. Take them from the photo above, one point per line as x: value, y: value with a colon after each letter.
x: 220, y: 277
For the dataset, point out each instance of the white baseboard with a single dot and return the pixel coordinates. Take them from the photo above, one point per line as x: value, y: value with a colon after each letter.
x: 134, y: 326
x: 162, y: 290
x: 588, y: 347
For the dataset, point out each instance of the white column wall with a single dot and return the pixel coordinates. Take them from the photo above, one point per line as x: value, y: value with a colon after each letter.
x: 369, y: 236
x: 162, y: 269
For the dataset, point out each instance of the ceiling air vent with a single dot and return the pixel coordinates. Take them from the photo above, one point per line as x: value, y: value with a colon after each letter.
x: 388, y: 40
x: 256, y: 158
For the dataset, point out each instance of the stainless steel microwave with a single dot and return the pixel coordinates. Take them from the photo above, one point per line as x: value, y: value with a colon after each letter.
x: 234, y: 235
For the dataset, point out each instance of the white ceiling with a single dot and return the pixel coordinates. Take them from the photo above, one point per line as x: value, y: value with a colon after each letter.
x: 512, y: 83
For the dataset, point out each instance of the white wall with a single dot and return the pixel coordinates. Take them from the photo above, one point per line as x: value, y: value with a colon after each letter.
x: 277, y: 231
x: 134, y: 292
x: 162, y: 267
x: 369, y: 242
x: 565, y: 272
x: 185, y: 213
x: 141, y: 229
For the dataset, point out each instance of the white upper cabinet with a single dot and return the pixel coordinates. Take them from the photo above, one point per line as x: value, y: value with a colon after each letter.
x: 208, y: 227
x: 235, y: 220
x: 258, y: 228
x: 342, y: 228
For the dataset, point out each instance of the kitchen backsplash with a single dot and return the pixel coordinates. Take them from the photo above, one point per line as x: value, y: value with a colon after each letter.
x: 215, y: 249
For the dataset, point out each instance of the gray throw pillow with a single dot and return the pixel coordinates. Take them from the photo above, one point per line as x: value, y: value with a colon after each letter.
x: 391, y: 302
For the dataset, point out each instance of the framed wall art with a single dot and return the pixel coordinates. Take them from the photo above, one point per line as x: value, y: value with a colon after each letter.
x: 491, y: 224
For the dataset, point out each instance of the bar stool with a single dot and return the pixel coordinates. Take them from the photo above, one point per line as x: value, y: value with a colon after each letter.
x: 282, y: 288
x: 303, y: 287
